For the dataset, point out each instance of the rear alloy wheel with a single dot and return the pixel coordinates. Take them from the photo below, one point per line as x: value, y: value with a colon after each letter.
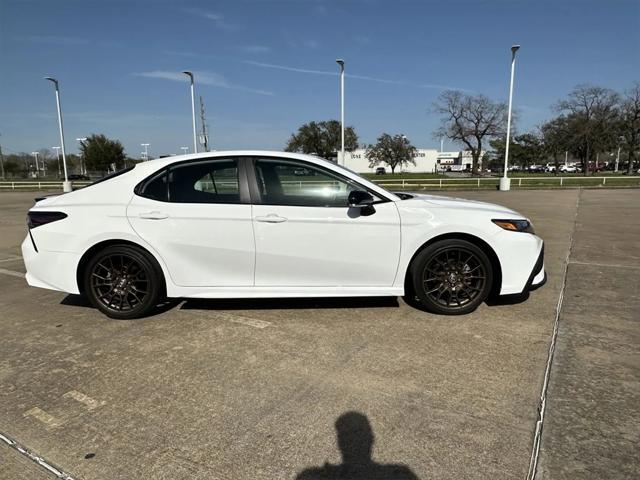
x: 123, y: 282
x: 452, y: 277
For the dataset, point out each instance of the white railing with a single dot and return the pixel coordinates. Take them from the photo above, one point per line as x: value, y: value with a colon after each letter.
x: 404, y: 184
x: 44, y: 185
x: 479, y: 182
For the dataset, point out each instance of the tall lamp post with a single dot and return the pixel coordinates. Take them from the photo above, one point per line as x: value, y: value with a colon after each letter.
x: 57, y: 149
x: 341, y: 63
x: 505, y: 182
x: 66, y: 185
x: 193, y: 109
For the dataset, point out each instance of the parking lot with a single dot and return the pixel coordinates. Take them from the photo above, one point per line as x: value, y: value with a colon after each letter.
x: 260, y: 389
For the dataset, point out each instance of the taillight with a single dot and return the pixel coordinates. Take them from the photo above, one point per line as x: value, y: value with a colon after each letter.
x: 35, y: 219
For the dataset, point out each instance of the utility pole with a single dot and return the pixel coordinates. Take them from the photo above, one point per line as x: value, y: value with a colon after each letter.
x: 205, y: 137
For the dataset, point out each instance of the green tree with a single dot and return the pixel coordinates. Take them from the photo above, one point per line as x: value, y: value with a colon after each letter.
x: 556, y: 138
x: 322, y: 139
x: 12, y: 168
x: 525, y: 149
x: 101, y: 153
x: 394, y: 151
x: 469, y: 119
x: 593, y: 121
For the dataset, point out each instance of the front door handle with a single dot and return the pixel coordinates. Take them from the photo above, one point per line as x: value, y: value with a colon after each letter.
x: 155, y: 215
x: 271, y: 218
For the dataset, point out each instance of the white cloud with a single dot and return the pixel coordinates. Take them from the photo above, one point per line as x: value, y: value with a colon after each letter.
x: 255, y: 49
x: 289, y: 69
x: 348, y: 75
x: 201, y: 78
x: 62, y: 40
x: 217, y: 18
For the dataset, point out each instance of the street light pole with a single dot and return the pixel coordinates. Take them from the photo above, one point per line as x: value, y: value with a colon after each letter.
x: 57, y: 149
x: 193, y: 109
x: 505, y: 182
x: 341, y: 63
x: 66, y: 186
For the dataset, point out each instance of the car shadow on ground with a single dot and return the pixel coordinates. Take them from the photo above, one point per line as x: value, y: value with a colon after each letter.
x: 254, y: 303
x: 355, y: 441
x: 289, y: 303
x: 82, y: 301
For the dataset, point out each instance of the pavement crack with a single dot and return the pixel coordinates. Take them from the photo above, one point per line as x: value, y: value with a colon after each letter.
x: 22, y: 450
x: 542, y: 406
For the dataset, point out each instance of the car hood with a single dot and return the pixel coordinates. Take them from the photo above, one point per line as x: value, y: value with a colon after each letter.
x: 467, y: 205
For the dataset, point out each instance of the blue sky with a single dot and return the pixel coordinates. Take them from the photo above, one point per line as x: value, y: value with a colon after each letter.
x: 265, y: 67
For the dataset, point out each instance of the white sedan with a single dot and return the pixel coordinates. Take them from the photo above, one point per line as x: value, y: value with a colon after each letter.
x: 255, y: 224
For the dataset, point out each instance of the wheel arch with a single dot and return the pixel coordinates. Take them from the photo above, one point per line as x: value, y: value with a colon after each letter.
x: 477, y: 241
x: 84, y: 260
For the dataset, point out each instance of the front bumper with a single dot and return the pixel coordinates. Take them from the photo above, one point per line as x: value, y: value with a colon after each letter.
x: 538, y: 275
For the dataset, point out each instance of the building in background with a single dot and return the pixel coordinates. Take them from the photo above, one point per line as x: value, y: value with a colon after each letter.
x: 428, y: 160
x: 461, y: 161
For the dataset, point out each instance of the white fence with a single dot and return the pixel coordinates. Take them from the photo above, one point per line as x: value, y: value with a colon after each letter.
x: 410, y: 183
x: 53, y: 185
x: 488, y: 182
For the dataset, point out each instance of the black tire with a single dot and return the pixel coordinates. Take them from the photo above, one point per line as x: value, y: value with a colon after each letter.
x: 451, y: 277
x: 123, y: 282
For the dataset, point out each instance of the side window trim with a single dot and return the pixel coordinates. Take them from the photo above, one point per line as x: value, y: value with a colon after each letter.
x: 254, y: 187
x: 241, y: 165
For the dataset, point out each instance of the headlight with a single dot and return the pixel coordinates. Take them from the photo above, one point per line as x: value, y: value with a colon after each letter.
x: 515, y: 225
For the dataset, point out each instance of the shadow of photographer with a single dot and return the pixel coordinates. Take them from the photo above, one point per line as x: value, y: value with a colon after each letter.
x: 355, y: 440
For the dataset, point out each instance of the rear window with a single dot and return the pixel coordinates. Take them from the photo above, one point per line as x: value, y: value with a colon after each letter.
x: 111, y: 176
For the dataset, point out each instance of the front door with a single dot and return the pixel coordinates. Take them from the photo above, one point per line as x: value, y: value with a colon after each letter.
x: 307, y: 235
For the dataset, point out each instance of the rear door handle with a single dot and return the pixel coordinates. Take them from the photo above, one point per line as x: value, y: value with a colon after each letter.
x: 155, y: 215
x: 271, y: 218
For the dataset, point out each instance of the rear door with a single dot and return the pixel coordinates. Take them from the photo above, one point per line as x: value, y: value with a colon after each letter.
x: 306, y: 234
x: 197, y: 216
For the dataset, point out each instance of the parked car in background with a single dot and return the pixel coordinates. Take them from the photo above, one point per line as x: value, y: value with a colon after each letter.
x: 77, y: 176
x: 568, y: 168
x: 381, y: 171
x: 536, y: 169
x: 243, y: 224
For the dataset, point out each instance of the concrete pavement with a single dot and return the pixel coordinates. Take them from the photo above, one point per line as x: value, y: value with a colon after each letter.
x: 253, y: 388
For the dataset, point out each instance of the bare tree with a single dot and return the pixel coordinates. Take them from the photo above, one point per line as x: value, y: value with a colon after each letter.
x: 592, y: 116
x: 469, y: 119
x: 630, y: 122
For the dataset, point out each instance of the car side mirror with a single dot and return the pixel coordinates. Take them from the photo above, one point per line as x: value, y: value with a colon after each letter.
x: 362, y: 200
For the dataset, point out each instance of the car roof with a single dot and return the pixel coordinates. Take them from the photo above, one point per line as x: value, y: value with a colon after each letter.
x: 147, y: 167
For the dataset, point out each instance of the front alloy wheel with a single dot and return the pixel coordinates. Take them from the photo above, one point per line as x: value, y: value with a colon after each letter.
x: 452, y: 277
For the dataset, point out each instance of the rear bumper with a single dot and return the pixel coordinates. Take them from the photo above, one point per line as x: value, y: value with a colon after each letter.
x: 538, y: 276
x: 51, y: 270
